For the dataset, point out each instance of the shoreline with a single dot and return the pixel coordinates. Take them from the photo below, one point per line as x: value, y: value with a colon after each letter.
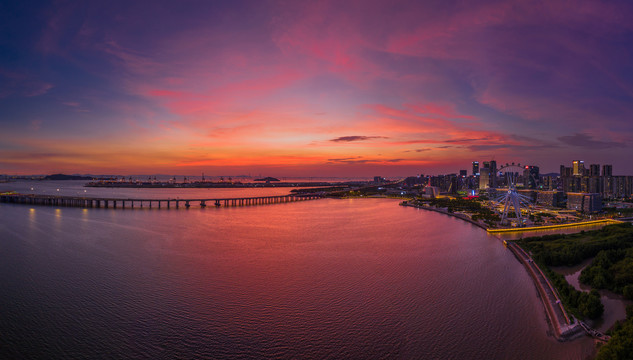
x: 564, y: 328
x: 441, y: 211
x: 504, y: 230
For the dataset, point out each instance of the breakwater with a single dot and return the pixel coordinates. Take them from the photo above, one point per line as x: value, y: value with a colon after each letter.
x: 119, y: 203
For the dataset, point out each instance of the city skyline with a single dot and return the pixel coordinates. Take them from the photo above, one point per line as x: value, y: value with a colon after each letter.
x: 319, y: 89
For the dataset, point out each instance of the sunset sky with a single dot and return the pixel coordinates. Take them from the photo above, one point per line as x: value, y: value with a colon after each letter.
x: 313, y: 88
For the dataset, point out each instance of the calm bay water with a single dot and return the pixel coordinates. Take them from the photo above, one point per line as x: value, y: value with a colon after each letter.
x: 361, y: 278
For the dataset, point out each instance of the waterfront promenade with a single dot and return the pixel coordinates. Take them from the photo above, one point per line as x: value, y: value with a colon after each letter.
x: 563, y: 326
x: 555, y: 226
x: 445, y: 212
x: 119, y: 203
x: 516, y: 229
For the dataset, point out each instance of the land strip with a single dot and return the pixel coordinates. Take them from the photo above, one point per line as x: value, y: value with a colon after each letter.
x: 557, y: 226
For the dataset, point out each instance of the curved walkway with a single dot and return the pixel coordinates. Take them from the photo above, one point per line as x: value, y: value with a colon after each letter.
x: 445, y: 212
x: 563, y: 326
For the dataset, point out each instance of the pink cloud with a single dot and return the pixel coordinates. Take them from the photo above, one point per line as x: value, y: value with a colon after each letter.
x: 456, y: 77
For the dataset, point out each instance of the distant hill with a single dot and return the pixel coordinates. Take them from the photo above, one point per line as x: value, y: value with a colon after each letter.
x: 66, y: 177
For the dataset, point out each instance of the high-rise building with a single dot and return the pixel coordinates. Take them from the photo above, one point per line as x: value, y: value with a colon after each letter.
x: 590, y: 184
x: 549, y: 198
x: 584, y: 202
x: 578, y: 179
x: 622, y: 186
x: 493, y: 174
x: 548, y: 183
x: 475, y: 168
x: 606, y: 186
x: 565, y: 171
x: 484, y: 178
x: 463, y: 173
x: 531, y: 176
x: 578, y: 168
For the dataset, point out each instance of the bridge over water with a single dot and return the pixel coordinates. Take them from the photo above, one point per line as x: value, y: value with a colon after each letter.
x: 118, y: 203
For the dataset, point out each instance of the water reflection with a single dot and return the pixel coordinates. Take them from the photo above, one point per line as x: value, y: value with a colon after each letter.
x: 320, y: 279
x: 32, y: 219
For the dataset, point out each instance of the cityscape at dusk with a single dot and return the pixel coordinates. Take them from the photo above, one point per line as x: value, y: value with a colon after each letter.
x: 312, y: 88
x: 276, y: 179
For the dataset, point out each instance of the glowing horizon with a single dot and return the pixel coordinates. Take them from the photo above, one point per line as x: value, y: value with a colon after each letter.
x: 313, y: 89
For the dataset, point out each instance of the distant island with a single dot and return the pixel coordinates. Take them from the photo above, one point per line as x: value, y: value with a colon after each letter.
x: 66, y: 177
x: 268, y: 179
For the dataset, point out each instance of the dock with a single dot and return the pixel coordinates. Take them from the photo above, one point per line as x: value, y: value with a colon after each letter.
x: 119, y: 203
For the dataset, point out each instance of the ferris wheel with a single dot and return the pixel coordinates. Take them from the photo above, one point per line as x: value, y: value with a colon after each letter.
x: 511, y: 198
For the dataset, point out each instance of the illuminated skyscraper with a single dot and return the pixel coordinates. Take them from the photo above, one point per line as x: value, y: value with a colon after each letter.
x: 565, y: 171
x: 531, y: 176
x: 493, y: 174
x: 484, y: 178
x: 475, y: 168
x: 578, y: 168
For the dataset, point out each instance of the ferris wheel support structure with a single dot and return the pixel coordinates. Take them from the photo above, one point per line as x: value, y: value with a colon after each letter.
x: 511, y: 198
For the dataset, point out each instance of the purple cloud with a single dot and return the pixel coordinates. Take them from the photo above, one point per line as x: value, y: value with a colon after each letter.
x: 356, y: 138
x: 586, y: 141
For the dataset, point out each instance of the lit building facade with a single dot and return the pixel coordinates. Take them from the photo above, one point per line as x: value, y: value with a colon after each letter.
x: 549, y: 198
x: 584, y: 202
x: 578, y: 168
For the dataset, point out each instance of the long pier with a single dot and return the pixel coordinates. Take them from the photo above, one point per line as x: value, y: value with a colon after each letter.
x: 118, y: 203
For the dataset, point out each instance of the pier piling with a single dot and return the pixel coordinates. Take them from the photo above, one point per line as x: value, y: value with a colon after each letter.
x: 85, y: 202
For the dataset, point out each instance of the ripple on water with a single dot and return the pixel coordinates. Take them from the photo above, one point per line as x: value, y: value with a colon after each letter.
x: 321, y: 279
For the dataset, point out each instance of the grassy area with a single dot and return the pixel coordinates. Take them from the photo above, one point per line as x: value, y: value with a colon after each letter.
x: 613, y: 270
x: 612, y: 266
x: 572, y: 249
x: 583, y: 305
x: 618, y: 211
